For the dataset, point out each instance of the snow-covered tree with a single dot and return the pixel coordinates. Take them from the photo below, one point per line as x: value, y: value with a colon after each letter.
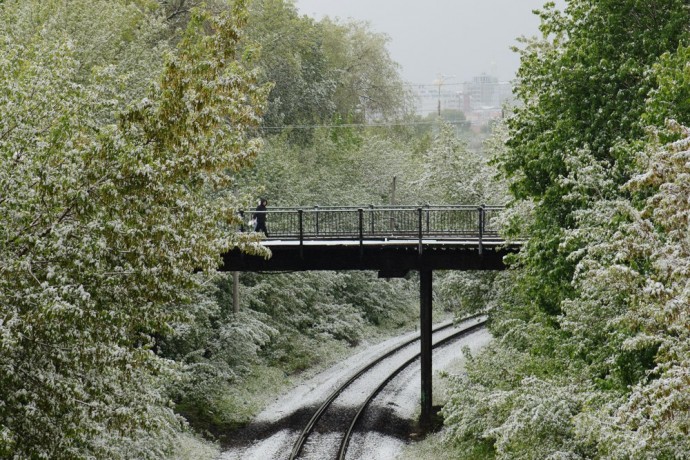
x: 112, y: 177
x: 590, y: 359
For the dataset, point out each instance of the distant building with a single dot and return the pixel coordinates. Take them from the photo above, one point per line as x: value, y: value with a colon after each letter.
x: 481, y: 99
x: 427, y: 98
x: 486, y: 91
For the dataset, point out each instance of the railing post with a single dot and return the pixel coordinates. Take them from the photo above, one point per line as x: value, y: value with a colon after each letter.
x: 427, y: 218
x: 419, y: 228
x: 371, y: 219
x: 360, y: 212
x: 301, y: 233
x: 316, y: 218
x: 481, y: 228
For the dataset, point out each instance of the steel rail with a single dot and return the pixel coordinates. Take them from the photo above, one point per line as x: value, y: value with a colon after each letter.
x: 309, y: 427
x: 342, y: 451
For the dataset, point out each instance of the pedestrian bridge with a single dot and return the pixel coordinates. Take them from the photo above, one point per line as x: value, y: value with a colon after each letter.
x: 389, y: 239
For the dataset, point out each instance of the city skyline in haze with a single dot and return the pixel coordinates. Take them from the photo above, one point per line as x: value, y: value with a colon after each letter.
x: 458, y: 39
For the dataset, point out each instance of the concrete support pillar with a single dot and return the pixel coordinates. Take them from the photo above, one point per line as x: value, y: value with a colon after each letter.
x: 425, y: 319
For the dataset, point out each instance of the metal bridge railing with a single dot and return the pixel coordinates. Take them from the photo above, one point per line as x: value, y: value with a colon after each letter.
x: 379, y: 222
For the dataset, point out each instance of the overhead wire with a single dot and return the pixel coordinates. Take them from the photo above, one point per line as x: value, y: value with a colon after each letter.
x: 359, y: 125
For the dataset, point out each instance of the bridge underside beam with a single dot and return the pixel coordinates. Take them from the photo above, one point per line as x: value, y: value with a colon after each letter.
x: 387, y: 260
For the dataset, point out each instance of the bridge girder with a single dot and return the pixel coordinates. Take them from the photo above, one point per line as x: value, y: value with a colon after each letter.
x: 393, y: 260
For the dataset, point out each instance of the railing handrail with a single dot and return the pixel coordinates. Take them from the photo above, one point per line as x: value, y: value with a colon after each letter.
x: 399, y: 222
x: 371, y: 208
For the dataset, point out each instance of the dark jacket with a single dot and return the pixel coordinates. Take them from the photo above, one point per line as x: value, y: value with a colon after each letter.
x: 260, y: 215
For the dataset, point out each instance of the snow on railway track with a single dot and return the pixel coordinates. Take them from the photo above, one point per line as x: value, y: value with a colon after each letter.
x: 324, y: 406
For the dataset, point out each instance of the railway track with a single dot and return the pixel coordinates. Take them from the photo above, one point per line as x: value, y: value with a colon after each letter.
x: 328, y: 403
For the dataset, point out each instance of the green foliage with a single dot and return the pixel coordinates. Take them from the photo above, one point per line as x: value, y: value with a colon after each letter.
x: 337, y: 170
x: 465, y: 293
x: 293, y: 60
x: 383, y: 303
x: 215, y: 350
x: 327, y: 306
x: 585, y: 88
x: 454, y: 174
x: 106, y: 213
x: 588, y: 356
x: 191, y: 447
x: 357, y: 165
x: 321, y: 72
x: 670, y: 98
x: 368, y: 80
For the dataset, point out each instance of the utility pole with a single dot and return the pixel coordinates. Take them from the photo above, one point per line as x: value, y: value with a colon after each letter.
x: 393, y: 191
x: 393, y: 203
x: 440, y: 80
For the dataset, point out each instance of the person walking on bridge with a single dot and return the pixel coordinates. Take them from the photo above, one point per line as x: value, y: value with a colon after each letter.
x: 260, y: 216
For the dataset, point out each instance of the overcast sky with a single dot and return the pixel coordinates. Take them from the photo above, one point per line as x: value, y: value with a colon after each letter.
x: 460, y: 38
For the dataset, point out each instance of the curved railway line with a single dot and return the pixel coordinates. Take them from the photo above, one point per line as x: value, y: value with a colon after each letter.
x: 328, y: 403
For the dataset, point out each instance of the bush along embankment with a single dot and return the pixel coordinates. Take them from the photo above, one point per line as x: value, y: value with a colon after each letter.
x: 591, y: 354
